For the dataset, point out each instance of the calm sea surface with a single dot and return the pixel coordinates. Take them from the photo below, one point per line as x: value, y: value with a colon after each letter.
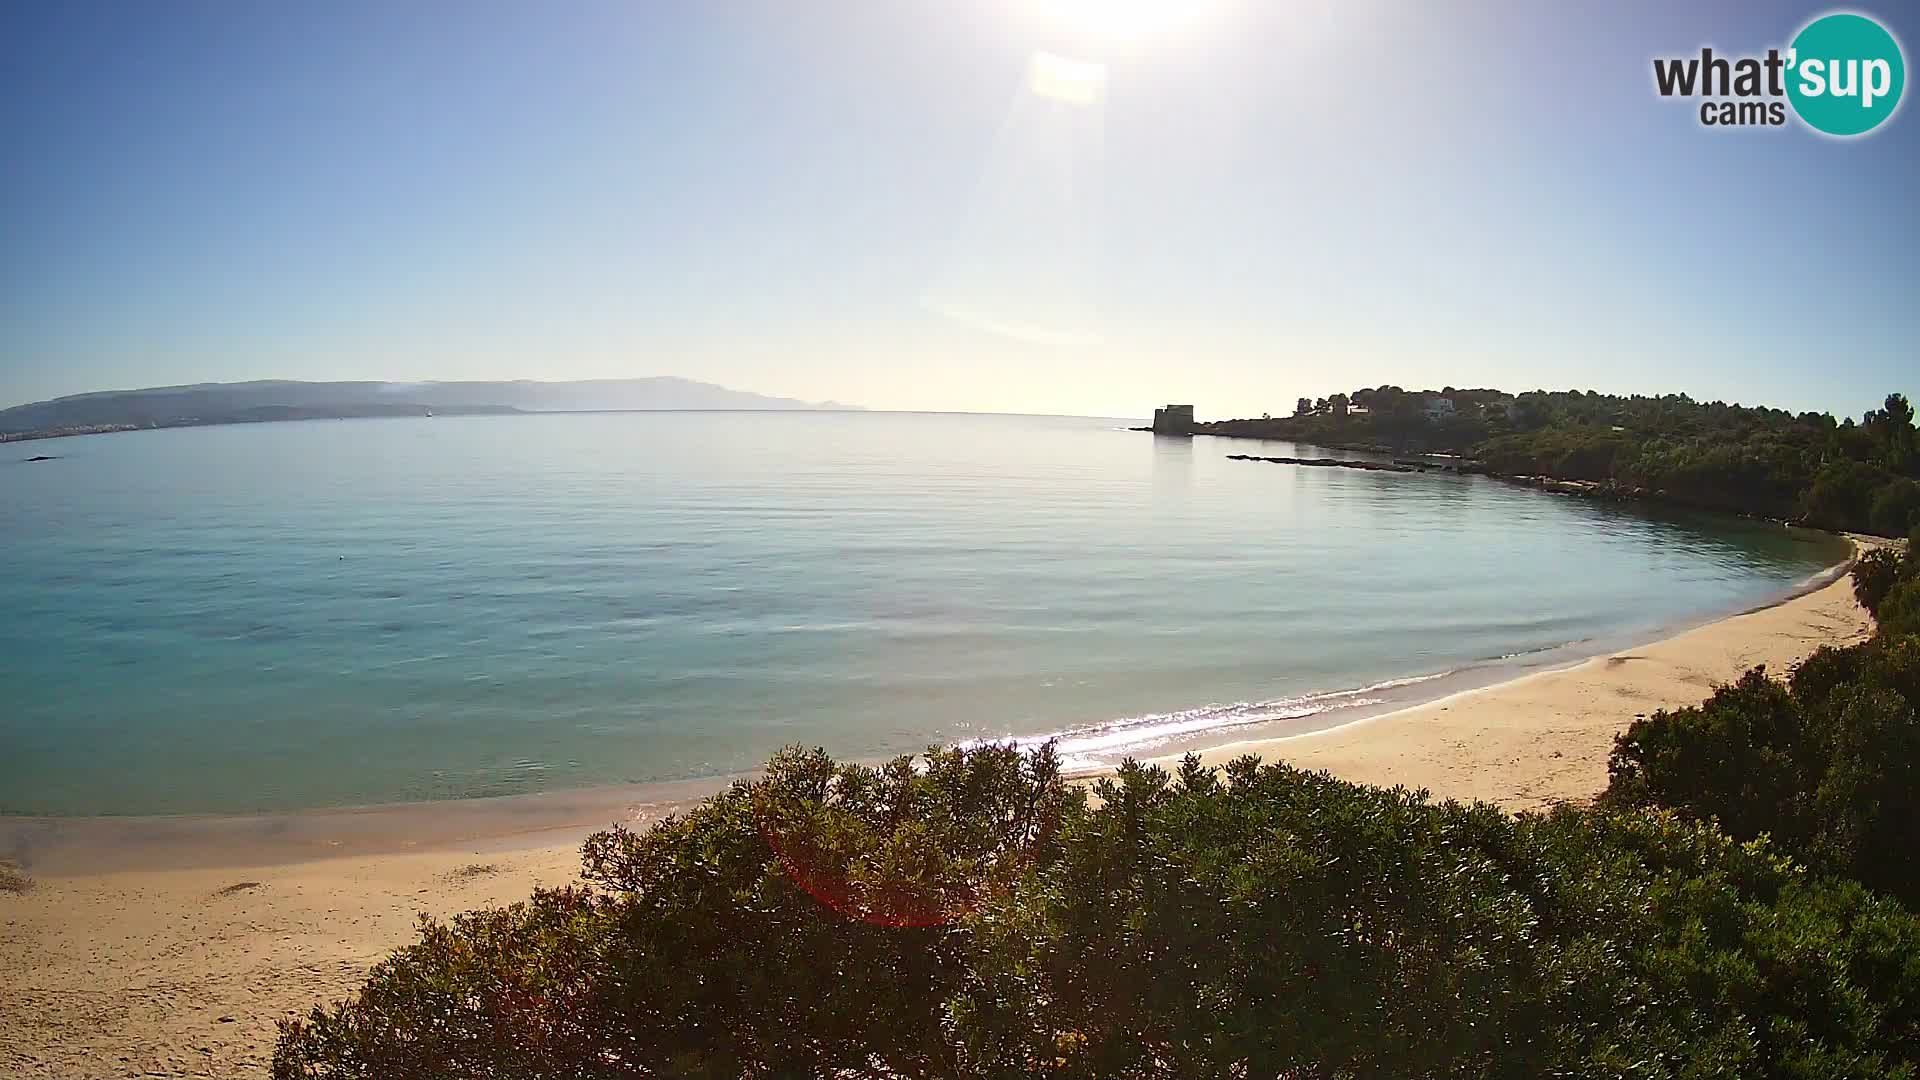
x: 353, y: 612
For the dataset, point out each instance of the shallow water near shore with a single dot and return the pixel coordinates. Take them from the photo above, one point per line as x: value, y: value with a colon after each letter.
x: 285, y: 616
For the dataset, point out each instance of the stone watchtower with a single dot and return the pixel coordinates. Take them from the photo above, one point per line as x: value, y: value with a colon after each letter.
x: 1173, y: 420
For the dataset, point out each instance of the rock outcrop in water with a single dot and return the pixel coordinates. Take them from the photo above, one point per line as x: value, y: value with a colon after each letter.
x: 1339, y: 463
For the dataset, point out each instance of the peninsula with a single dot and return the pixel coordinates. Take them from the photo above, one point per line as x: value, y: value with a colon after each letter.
x: 1808, y: 468
x: 277, y: 399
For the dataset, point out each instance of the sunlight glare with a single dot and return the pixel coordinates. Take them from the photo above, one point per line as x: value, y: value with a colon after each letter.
x: 1122, y: 22
x: 1074, y: 82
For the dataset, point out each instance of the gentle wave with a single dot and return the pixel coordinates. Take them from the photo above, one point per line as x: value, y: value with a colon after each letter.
x: 465, y: 607
x: 1539, y: 651
x: 1096, y: 746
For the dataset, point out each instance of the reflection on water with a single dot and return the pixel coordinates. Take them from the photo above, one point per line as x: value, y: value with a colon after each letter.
x: 369, y: 611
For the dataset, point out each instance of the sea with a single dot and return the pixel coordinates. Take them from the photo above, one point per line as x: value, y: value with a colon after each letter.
x: 281, y: 616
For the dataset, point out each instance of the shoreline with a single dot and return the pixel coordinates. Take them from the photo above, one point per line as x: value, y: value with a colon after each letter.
x: 1449, y: 461
x: 167, y: 967
x: 1492, y: 674
x: 53, y: 846
x: 1543, y: 738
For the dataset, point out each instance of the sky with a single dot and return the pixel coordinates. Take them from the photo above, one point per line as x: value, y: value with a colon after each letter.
x: 1222, y: 202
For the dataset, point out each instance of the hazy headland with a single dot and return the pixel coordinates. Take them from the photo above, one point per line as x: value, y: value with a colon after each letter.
x: 278, y: 399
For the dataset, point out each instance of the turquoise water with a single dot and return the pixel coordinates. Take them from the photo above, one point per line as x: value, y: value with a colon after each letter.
x: 353, y: 612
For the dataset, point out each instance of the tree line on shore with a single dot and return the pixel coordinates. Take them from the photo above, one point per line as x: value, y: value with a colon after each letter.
x: 1740, y: 902
x: 1808, y: 467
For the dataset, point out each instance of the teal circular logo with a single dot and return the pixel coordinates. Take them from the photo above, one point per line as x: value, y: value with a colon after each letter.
x: 1845, y: 74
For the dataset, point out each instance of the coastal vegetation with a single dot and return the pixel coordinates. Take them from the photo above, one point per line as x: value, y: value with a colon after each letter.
x: 1826, y: 764
x: 1808, y: 467
x: 1739, y: 903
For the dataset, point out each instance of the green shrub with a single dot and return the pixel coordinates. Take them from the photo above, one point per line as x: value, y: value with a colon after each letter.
x: 1842, y: 495
x: 1896, y: 509
x: 1874, y: 576
x: 1879, y: 575
x: 1899, y: 612
x: 528, y: 990
x: 1289, y: 924
x: 1744, y: 758
x: 798, y: 925
x: 978, y: 917
x: 1828, y: 765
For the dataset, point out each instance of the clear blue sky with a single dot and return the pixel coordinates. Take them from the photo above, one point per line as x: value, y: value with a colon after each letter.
x: 1271, y: 199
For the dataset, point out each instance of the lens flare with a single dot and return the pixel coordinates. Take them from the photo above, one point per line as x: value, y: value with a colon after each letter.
x: 1023, y: 261
x: 1122, y: 22
x: 1075, y: 82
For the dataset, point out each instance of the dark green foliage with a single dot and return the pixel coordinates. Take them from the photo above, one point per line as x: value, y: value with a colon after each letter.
x: 1288, y: 924
x: 1861, y: 477
x: 1892, y: 431
x: 1744, y: 759
x: 758, y: 935
x: 1842, y: 495
x: 1887, y: 583
x: 1900, y: 611
x: 520, y: 991
x: 1896, y: 508
x: 980, y: 918
x: 1827, y: 764
x: 1874, y: 576
x: 1566, y: 454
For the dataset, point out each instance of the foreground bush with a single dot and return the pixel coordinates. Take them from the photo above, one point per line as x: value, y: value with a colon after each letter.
x: 976, y: 916
x: 699, y: 951
x: 1879, y: 573
x: 1893, y: 591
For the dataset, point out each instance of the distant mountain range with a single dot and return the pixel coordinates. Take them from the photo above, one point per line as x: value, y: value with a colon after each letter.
x: 254, y: 402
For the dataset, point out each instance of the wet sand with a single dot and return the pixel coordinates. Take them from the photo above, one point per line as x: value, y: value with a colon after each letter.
x: 169, y: 947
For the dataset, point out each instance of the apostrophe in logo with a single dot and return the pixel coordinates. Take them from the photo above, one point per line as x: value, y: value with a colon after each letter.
x: 1845, y: 74
x: 1842, y: 76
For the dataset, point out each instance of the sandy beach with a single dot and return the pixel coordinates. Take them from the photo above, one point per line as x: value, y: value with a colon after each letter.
x: 156, y: 958
x: 1544, y: 738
